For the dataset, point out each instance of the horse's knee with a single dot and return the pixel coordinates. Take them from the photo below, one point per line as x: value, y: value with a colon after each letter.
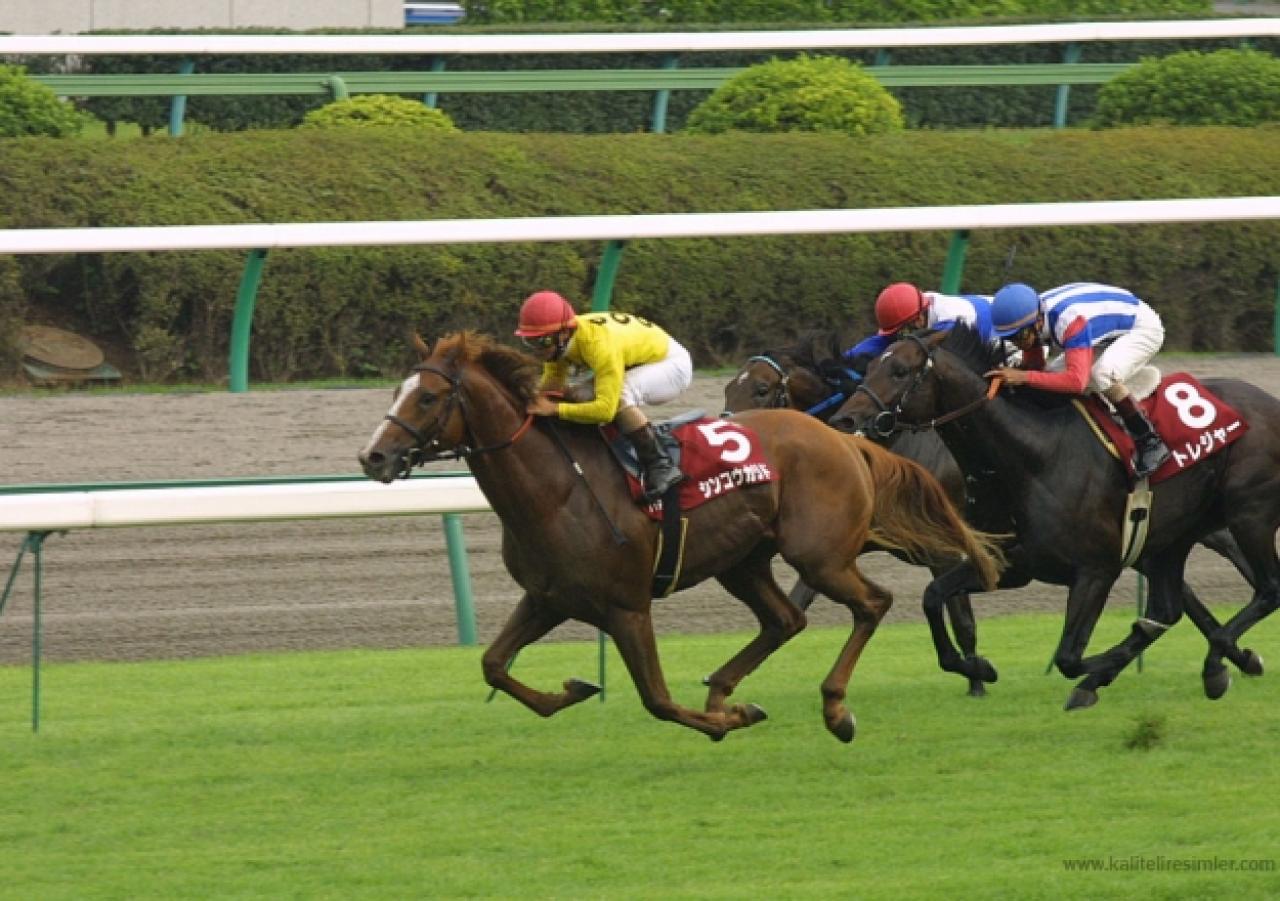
x: 1069, y: 664
x: 492, y: 666
x: 935, y: 599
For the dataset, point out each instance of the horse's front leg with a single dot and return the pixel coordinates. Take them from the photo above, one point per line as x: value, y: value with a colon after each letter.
x: 940, y: 595
x: 632, y: 633
x: 780, y: 619
x: 528, y: 622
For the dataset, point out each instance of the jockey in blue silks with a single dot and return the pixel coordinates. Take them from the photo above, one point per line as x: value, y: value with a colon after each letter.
x: 903, y: 307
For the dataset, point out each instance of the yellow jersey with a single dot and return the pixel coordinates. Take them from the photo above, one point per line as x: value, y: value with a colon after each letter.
x: 607, y: 343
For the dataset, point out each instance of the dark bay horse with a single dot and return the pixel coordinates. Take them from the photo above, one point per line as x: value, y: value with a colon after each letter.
x: 810, y: 375
x: 581, y: 549
x: 1067, y: 496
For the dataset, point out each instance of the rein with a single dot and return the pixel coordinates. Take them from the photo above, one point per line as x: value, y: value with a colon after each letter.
x: 886, y: 422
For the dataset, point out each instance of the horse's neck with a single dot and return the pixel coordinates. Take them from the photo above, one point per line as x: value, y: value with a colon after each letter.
x: 996, y: 435
x: 517, y: 479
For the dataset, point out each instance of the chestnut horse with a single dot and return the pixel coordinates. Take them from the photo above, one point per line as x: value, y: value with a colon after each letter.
x: 582, y: 549
x: 811, y: 375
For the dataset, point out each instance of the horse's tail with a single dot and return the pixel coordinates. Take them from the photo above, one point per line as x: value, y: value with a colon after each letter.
x: 912, y: 513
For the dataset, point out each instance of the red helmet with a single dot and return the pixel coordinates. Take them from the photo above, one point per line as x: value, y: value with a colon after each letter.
x: 897, y: 305
x: 543, y: 313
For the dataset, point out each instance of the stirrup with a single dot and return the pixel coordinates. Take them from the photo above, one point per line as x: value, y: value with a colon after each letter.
x: 1143, y: 466
x: 673, y: 478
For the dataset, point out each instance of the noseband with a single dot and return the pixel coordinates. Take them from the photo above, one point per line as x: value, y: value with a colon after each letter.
x: 885, y: 423
x: 426, y: 447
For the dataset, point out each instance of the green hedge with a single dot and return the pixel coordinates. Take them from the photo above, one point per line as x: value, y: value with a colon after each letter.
x: 347, y: 310
x: 794, y: 12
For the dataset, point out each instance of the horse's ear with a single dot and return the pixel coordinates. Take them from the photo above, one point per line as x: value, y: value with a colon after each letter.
x: 420, y: 346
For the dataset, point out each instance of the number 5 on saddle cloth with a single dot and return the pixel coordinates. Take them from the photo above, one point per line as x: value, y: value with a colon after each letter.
x: 717, y: 457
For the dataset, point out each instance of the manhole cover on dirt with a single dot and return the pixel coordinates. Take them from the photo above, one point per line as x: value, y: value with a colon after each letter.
x: 56, y: 347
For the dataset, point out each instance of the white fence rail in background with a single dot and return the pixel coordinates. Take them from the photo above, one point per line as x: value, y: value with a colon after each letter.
x: 626, y: 228
x: 675, y: 42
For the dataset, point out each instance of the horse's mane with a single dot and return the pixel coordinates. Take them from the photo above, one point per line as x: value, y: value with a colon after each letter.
x: 968, y: 346
x: 515, y: 370
x: 812, y: 349
x: 965, y: 343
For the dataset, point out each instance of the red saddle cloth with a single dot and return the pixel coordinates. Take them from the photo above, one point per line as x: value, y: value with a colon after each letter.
x: 1194, y: 423
x: 717, y: 457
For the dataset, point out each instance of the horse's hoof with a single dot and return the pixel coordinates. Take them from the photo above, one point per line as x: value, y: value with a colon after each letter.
x: 753, y: 713
x: 1216, y: 683
x: 977, y: 690
x: 580, y: 690
x: 1252, y: 663
x: 706, y: 681
x: 1080, y: 699
x: 984, y: 670
x: 845, y: 728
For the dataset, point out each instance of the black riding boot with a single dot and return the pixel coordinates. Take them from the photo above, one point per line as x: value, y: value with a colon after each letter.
x: 1152, y: 451
x: 659, y: 473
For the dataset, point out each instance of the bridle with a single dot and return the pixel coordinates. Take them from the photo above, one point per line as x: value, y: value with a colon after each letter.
x: 427, y: 447
x: 781, y: 399
x: 886, y: 422
x: 781, y: 391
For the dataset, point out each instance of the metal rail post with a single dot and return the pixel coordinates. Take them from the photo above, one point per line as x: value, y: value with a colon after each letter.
x: 608, y: 273
x: 1071, y: 55
x: 35, y: 543
x: 242, y: 321
x: 658, y: 120
x: 178, y: 105
x: 464, y: 610
x: 954, y: 267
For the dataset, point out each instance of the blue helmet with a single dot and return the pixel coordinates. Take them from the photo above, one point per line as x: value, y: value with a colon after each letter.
x: 1015, y: 307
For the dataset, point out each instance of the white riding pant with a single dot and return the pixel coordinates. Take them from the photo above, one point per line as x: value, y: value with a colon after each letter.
x: 660, y: 382
x: 1118, y: 361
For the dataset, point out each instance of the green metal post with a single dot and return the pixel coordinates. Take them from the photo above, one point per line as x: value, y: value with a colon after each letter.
x: 337, y: 87
x: 461, y: 576
x: 658, y: 120
x: 1275, y: 328
x: 954, y: 268
x: 36, y: 540
x: 1072, y: 55
x: 602, y: 642
x: 178, y: 105
x: 882, y: 57
x: 431, y: 98
x: 242, y: 321
x: 609, y: 263
x: 1141, y: 597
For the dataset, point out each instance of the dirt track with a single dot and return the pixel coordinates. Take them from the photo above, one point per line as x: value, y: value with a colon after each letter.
x: 139, y: 593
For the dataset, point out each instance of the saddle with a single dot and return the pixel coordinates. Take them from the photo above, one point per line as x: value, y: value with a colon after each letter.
x: 1194, y: 423
x: 717, y: 457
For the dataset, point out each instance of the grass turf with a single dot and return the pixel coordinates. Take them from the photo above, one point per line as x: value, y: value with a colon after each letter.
x: 384, y: 774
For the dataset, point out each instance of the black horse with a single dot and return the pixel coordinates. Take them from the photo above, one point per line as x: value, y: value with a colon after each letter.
x: 811, y: 375
x: 1066, y: 495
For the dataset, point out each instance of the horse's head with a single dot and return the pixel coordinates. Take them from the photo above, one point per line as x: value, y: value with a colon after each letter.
x: 761, y: 383
x: 897, y: 387
x: 424, y: 421
x: 467, y: 389
x: 793, y: 378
